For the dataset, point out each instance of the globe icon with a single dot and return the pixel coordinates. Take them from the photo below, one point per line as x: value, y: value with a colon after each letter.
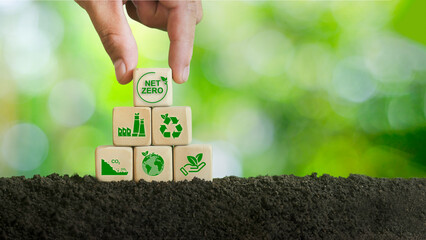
x: 153, y: 164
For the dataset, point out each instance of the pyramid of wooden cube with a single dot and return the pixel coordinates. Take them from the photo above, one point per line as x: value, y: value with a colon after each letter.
x: 154, y: 121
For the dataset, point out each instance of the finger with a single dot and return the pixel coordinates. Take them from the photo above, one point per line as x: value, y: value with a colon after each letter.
x: 114, y: 31
x: 181, y: 28
x: 131, y: 11
x: 199, y: 11
x: 152, y: 14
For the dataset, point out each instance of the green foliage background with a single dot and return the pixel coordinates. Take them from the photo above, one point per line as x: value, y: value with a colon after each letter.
x: 295, y: 87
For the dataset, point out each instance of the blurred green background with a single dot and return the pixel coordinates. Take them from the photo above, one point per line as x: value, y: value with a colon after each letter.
x: 277, y: 87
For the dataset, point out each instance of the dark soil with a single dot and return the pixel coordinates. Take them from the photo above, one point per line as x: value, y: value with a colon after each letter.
x: 280, y: 207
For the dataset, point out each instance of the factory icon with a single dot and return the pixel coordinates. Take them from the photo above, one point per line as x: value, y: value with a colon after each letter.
x: 138, y: 128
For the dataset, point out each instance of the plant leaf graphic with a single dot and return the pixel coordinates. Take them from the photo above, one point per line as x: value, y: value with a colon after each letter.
x: 192, y: 160
x: 199, y: 157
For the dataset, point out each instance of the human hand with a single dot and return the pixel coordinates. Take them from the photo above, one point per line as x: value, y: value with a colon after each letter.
x: 177, y: 17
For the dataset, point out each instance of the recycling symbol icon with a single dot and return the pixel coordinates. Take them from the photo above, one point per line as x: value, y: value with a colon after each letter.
x: 164, y: 127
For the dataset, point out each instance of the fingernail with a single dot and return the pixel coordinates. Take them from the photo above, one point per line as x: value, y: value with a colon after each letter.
x: 185, y: 74
x: 120, y: 69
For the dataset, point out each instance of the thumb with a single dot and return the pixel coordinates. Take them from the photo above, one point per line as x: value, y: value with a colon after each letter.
x: 181, y: 29
x: 114, y: 31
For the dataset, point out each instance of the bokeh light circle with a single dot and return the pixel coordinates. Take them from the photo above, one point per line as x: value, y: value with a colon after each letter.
x: 226, y: 160
x: 250, y: 130
x: 30, y: 39
x: 24, y: 147
x: 11, y: 6
x: 71, y: 103
x: 394, y: 59
x: 352, y: 80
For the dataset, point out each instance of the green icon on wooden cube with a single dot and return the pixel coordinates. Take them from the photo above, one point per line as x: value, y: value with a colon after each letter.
x: 194, y: 165
x: 107, y: 169
x: 138, y: 128
x: 171, y: 126
x: 152, y: 87
x: 153, y: 163
x: 167, y: 120
x: 114, y: 163
x: 131, y: 126
x: 192, y: 161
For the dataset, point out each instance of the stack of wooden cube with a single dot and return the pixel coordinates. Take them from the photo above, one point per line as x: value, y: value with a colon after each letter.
x: 152, y: 139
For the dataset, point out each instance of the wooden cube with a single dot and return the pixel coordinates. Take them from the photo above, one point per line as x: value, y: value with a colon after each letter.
x: 192, y: 161
x: 152, y: 87
x: 171, y: 126
x: 153, y: 163
x: 131, y: 126
x: 114, y: 163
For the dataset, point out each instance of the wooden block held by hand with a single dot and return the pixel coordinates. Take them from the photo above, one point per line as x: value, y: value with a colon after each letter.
x: 153, y: 163
x: 192, y: 161
x: 114, y: 163
x: 171, y: 126
x: 152, y: 87
x: 131, y: 126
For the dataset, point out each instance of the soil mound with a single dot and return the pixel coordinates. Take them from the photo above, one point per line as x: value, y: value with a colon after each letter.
x: 279, y: 207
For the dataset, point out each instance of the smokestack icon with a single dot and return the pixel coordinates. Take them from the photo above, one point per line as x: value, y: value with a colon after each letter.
x: 138, y: 127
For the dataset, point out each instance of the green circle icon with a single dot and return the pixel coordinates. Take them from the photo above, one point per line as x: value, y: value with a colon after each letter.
x: 145, y: 88
x: 152, y: 164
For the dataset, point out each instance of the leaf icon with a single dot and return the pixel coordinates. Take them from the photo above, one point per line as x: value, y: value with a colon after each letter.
x: 164, y: 80
x: 192, y: 160
x: 145, y: 153
x: 199, y: 157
